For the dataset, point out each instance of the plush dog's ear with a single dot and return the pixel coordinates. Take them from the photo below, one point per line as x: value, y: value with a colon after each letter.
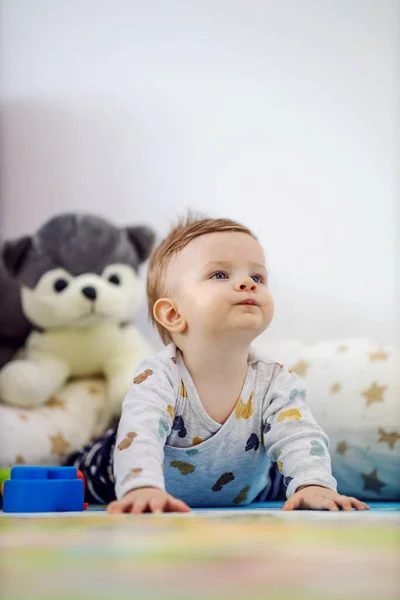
x: 14, y: 252
x: 143, y: 239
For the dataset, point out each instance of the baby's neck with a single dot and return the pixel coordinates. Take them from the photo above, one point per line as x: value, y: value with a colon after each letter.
x: 216, y: 361
x: 218, y: 372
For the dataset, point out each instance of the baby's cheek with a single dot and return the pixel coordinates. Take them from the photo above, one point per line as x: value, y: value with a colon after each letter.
x: 206, y: 304
x: 269, y: 309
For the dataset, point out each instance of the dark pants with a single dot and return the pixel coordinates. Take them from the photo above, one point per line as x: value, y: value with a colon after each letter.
x: 95, y: 461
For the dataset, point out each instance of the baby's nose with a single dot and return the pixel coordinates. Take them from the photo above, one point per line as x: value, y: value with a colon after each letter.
x: 246, y: 286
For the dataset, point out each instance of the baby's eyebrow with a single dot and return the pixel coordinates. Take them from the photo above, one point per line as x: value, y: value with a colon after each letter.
x: 218, y: 263
x: 227, y: 265
x: 259, y: 266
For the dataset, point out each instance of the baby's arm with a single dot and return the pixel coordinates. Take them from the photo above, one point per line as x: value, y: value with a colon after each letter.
x: 295, y: 441
x: 292, y: 437
x: 146, y: 421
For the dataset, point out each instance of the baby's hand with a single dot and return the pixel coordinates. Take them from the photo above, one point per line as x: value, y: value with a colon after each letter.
x: 315, y: 497
x: 147, y: 499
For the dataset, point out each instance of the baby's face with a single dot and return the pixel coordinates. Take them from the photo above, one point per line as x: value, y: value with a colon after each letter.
x: 219, y: 282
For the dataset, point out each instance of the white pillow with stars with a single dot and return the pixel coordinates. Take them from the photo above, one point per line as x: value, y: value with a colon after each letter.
x: 45, y: 435
x: 353, y: 390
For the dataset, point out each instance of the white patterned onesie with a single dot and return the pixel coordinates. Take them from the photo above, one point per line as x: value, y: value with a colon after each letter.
x: 167, y: 440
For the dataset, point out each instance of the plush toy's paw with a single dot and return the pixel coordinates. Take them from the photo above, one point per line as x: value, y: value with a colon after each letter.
x: 25, y: 383
x: 118, y: 387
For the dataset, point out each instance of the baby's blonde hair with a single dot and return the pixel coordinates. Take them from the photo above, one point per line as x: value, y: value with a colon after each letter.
x: 180, y: 236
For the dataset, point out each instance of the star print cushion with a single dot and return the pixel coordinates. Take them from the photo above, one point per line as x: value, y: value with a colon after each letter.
x: 353, y: 390
x: 45, y: 435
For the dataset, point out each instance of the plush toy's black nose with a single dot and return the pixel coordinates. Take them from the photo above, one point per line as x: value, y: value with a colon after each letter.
x: 89, y: 292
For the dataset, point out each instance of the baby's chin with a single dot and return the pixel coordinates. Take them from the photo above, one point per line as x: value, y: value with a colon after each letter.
x: 246, y: 325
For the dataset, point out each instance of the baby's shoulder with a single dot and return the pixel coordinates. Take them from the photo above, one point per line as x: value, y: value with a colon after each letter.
x: 162, y: 364
x: 262, y: 363
x: 270, y: 372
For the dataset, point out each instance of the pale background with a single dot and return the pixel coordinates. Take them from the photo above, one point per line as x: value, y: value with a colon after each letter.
x: 284, y: 115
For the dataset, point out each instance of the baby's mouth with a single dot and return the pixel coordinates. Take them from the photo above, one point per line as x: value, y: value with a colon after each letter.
x: 249, y: 302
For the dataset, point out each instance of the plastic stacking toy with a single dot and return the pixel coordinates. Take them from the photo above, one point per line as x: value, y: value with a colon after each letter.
x: 44, y: 489
x: 4, y: 474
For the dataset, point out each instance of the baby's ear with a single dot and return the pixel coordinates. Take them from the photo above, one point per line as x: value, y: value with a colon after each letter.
x: 14, y: 253
x: 142, y: 238
x: 165, y: 312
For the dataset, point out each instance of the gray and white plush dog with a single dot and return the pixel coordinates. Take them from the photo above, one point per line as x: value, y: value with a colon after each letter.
x: 14, y: 326
x: 79, y: 289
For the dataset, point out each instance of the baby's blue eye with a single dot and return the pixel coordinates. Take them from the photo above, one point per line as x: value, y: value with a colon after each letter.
x: 257, y: 278
x: 219, y: 275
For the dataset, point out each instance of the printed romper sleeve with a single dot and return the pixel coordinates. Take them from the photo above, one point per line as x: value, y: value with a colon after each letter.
x: 292, y: 437
x: 146, y: 422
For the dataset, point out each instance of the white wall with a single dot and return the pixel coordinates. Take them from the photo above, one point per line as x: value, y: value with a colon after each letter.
x: 284, y: 115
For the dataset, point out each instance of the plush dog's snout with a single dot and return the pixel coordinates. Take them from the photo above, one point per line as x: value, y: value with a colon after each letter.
x: 89, y: 292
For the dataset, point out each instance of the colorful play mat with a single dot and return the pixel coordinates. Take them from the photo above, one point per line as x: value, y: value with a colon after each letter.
x: 253, y: 554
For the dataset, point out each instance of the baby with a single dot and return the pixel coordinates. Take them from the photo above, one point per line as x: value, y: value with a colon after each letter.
x: 207, y: 422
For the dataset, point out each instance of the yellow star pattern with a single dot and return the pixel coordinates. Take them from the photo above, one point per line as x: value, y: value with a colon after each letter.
x: 55, y: 403
x: 341, y: 447
x: 342, y: 348
x: 374, y: 393
x: 335, y: 388
x: 389, y: 438
x: 94, y: 390
x: 379, y: 355
x: 58, y: 444
x: 300, y: 368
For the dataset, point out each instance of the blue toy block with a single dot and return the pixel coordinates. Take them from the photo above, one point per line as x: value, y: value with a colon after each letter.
x: 43, y: 489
